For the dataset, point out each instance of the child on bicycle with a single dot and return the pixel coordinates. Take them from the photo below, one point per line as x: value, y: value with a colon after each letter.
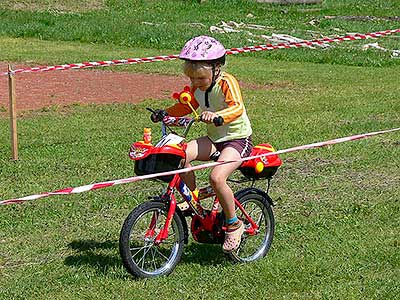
x: 218, y: 94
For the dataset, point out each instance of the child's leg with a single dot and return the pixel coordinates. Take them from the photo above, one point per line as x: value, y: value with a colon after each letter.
x: 218, y: 178
x: 199, y: 149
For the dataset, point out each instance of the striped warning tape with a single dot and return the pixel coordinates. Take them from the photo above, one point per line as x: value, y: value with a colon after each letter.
x: 95, y: 186
x: 130, y: 61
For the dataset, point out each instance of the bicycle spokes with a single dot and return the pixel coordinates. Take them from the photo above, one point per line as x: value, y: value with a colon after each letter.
x: 249, y: 217
x: 258, y: 219
x: 146, y: 251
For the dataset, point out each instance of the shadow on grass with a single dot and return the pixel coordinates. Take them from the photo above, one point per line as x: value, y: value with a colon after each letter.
x: 103, y: 256
x: 99, y: 255
x: 203, y: 254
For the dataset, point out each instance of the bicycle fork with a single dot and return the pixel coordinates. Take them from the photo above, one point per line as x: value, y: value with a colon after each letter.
x: 169, y: 195
x: 163, y: 234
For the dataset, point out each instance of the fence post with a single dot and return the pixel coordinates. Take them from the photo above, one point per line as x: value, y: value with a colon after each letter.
x: 13, y: 113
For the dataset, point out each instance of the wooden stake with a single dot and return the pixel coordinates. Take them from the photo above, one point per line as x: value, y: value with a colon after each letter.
x: 13, y: 113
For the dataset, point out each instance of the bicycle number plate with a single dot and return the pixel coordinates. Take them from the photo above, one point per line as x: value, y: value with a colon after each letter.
x: 170, y: 139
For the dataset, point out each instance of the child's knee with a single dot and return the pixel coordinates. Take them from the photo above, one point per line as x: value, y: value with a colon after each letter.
x: 216, y: 179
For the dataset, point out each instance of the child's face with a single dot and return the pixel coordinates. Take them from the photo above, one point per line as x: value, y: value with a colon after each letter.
x: 201, y: 80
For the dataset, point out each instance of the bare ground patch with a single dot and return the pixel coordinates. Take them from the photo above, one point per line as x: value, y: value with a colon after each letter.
x: 62, y: 88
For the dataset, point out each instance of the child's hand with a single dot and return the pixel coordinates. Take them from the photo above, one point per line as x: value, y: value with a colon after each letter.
x: 208, y: 116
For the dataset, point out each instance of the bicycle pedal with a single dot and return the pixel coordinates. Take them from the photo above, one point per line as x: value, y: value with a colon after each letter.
x: 186, y: 210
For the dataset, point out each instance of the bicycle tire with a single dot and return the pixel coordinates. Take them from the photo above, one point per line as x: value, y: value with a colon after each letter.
x: 141, y: 257
x: 257, y: 246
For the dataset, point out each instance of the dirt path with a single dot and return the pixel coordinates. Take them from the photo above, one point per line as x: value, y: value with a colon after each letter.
x: 38, y: 90
x: 60, y: 88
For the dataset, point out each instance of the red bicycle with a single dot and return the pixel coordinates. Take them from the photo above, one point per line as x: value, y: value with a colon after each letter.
x: 154, y: 233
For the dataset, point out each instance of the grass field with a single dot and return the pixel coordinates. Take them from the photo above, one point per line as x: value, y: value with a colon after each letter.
x: 337, y: 208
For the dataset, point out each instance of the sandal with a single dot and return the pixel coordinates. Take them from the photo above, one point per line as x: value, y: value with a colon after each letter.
x: 233, y: 238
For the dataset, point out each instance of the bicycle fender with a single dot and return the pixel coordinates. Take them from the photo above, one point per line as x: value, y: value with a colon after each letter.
x: 252, y: 190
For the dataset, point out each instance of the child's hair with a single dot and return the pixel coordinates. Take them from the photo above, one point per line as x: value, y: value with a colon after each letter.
x: 191, y: 68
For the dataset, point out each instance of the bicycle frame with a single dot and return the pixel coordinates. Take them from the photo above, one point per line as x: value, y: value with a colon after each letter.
x: 178, y: 184
x: 154, y: 233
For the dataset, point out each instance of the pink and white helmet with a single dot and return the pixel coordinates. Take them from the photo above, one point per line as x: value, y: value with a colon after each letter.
x: 203, y: 48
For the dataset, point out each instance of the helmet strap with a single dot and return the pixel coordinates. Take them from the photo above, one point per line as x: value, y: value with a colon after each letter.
x: 214, y: 77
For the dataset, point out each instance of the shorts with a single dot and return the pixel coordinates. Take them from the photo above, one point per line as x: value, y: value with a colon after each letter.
x: 243, y: 146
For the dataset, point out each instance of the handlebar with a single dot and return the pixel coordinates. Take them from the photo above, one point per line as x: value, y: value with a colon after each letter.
x: 185, y: 122
x: 218, y: 121
x: 182, y: 121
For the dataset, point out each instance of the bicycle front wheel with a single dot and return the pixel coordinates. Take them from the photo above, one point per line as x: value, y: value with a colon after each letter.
x: 255, y: 246
x: 141, y: 256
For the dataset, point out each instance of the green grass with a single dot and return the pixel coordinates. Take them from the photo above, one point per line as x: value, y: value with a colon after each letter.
x: 336, y: 212
x: 126, y: 24
x: 337, y: 208
x: 35, y: 52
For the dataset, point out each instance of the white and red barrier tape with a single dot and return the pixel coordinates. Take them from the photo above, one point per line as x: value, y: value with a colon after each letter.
x: 105, y: 184
x: 130, y: 61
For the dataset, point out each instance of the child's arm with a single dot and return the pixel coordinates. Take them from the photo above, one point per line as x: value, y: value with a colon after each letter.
x: 233, y: 98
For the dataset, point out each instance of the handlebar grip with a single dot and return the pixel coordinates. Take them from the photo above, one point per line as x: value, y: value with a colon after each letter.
x: 218, y: 121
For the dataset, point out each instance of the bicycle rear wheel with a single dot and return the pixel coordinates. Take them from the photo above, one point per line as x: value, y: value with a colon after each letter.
x: 253, y: 247
x: 141, y: 256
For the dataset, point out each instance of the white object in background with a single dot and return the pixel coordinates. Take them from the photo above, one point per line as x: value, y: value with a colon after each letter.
x: 170, y: 139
